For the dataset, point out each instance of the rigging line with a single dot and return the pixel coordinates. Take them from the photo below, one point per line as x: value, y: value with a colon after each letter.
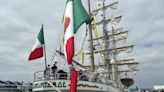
x: 53, y: 58
x: 76, y: 54
x: 98, y: 40
x: 55, y: 55
x: 56, y: 89
x: 100, y: 46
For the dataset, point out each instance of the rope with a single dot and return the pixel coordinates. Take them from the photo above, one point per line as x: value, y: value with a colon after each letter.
x: 81, y: 49
x: 55, y: 54
x: 97, y: 35
x: 54, y: 86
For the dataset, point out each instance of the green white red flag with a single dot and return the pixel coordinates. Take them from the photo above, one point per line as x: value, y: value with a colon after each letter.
x: 73, y: 82
x: 75, y: 15
x: 68, y: 32
x: 37, y: 50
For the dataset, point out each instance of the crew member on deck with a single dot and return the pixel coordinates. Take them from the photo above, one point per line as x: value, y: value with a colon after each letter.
x: 47, y: 72
x: 54, y: 70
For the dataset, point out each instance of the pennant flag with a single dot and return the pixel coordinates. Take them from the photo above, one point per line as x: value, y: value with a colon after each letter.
x: 95, y: 28
x: 37, y: 51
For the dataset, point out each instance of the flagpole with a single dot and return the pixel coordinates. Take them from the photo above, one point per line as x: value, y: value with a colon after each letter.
x: 44, y: 51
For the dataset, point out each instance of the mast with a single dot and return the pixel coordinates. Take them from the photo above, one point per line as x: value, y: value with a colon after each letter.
x: 115, y: 67
x: 111, y: 48
x: 105, y: 33
x: 91, y: 41
x: 114, y: 57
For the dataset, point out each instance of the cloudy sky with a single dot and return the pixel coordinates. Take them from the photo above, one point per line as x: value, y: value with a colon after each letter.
x: 20, y: 22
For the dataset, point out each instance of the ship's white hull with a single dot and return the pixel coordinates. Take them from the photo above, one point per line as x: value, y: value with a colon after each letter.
x: 63, y: 86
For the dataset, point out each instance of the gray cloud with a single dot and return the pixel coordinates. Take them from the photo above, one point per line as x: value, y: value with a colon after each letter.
x: 21, y: 21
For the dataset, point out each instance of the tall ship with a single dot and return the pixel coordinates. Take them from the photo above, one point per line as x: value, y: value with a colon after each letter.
x: 100, y: 57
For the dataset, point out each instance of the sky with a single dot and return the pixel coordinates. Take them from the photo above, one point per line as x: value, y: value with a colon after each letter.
x: 20, y: 22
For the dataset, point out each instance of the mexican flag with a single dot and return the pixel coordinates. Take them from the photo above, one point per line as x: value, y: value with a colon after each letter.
x: 75, y: 15
x: 37, y: 50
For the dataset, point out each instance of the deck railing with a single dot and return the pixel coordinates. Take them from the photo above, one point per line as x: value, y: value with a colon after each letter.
x: 49, y: 75
x: 41, y: 76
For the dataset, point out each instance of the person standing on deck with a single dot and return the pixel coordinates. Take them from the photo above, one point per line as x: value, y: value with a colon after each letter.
x: 54, y: 70
x: 47, y: 72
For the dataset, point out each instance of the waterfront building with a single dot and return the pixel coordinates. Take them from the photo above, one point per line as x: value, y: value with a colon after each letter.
x: 158, y: 88
x: 9, y: 86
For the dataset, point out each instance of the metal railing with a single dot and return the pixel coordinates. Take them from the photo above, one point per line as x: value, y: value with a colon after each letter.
x: 50, y: 75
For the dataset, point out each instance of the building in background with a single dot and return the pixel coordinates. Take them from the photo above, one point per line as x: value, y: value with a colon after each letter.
x: 9, y: 86
x: 159, y: 88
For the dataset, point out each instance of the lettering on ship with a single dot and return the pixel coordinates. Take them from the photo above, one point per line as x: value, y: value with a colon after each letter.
x: 47, y: 85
